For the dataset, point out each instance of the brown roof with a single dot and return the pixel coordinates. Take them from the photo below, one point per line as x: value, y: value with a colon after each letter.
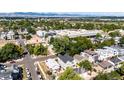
x: 78, y: 57
x: 105, y: 64
x: 90, y: 52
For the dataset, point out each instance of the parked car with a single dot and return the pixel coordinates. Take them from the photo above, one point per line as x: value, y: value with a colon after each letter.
x: 12, y: 62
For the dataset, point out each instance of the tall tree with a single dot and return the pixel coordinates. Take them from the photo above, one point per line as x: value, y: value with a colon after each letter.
x: 10, y: 51
x: 69, y: 74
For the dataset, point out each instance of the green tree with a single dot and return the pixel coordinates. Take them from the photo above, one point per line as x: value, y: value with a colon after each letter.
x: 60, y: 44
x: 122, y: 40
x: 114, y: 34
x: 69, y: 74
x: 88, y: 26
x: 98, y: 35
x: 40, y: 50
x: 71, y: 46
x: 86, y: 65
x: 30, y: 48
x: 114, y: 75
x: 31, y: 30
x: 10, y: 51
x: 102, y: 76
x: 121, y: 70
x: 109, y: 42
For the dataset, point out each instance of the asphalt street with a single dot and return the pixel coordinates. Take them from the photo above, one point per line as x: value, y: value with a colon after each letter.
x: 28, y: 61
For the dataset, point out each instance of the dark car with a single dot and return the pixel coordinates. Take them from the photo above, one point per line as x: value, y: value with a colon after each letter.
x: 25, y: 53
x: 12, y: 62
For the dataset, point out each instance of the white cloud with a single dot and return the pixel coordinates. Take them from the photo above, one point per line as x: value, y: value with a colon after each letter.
x: 61, y: 5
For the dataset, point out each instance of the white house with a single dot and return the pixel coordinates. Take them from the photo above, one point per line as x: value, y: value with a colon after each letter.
x: 41, y: 33
x: 7, y: 35
x: 3, y: 35
x: 106, y: 52
x: 53, y: 65
x: 90, y: 55
x: 10, y: 35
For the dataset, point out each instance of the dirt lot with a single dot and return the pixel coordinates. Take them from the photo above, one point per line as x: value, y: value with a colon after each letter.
x: 3, y: 42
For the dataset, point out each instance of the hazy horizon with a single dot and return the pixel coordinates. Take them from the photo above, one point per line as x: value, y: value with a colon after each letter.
x: 77, y: 13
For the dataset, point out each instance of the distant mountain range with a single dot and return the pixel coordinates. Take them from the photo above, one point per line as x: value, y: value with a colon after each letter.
x: 62, y: 14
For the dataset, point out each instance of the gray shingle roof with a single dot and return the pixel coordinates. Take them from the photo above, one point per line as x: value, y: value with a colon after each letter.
x: 115, y: 60
x: 65, y: 58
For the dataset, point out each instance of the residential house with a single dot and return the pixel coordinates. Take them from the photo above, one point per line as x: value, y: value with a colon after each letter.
x: 23, y: 32
x: 7, y: 35
x: 52, y: 65
x: 10, y: 35
x: 66, y: 61
x: 41, y: 33
x: 3, y: 35
x: 106, y: 52
x: 116, y: 60
x: 106, y: 64
x: 90, y: 55
x: 78, y: 58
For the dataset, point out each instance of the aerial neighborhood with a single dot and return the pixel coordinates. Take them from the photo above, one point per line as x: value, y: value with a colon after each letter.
x: 61, y: 49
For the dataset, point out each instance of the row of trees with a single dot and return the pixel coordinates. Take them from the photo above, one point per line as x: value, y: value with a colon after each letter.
x: 72, y: 46
x: 10, y: 51
x: 57, y: 24
x: 37, y: 49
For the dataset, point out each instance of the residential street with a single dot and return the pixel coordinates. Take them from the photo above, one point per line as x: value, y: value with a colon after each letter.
x: 28, y: 61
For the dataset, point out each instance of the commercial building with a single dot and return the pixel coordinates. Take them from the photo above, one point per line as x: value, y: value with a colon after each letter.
x: 77, y: 33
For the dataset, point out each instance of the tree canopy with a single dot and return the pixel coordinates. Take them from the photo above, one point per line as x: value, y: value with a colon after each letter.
x: 37, y: 49
x: 69, y: 74
x: 121, y: 70
x: 122, y: 40
x: 108, y: 42
x: 114, y: 75
x: 98, y: 35
x: 114, y: 34
x: 10, y: 51
x: 72, y: 46
x: 86, y: 65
